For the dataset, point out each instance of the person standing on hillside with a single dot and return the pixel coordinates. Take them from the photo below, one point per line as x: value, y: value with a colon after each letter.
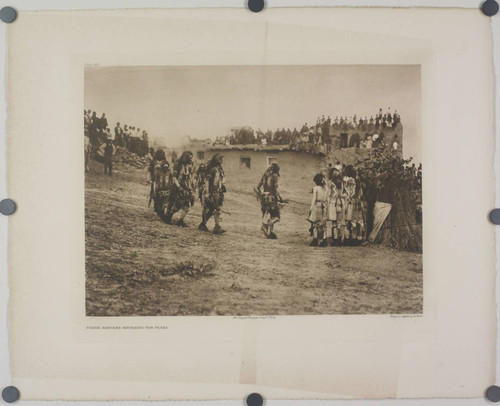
x: 93, y: 129
x: 270, y: 198
x: 213, y: 194
x: 126, y: 136
x: 103, y: 122
x: 109, y: 150
x: 87, y: 120
x: 119, y: 135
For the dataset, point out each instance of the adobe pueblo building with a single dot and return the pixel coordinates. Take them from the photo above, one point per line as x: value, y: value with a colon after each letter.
x: 244, y: 164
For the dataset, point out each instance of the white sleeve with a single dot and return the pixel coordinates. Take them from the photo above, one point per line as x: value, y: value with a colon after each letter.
x: 313, y: 198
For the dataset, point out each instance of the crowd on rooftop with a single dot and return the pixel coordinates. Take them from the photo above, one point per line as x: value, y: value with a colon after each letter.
x: 326, y: 134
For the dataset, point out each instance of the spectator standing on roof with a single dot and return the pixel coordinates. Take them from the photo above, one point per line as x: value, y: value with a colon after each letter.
x: 395, y: 144
x: 396, y: 117
x: 389, y: 117
x: 369, y: 142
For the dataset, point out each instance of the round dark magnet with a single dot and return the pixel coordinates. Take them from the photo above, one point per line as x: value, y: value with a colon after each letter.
x: 495, y: 216
x: 7, y: 207
x: 256, y: 5
x: 493, y: 393
x: 8, y: 15
x: 254, y: 399
x: 10, y: 394
x: 490, y: 8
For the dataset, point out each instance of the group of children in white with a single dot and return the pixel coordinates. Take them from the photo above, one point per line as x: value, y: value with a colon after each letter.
x: 338, y: 208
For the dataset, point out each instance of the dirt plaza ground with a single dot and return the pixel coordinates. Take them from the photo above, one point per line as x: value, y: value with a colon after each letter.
x: 136, y: 265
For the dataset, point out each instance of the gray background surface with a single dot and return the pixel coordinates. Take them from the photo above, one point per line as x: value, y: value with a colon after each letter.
x: 110, y: 4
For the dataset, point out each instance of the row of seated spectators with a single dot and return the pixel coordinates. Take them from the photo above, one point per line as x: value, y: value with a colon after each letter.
x: 341, y: 132
x: 347, y: 140
x: 129, y: 137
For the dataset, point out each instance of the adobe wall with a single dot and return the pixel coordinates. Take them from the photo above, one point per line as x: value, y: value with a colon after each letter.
x: 297, y: 170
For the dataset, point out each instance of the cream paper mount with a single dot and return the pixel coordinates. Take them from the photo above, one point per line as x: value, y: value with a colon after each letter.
x: 60, y: 350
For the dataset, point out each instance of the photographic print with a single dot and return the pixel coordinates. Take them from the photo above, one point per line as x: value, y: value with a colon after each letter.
x: 253, y: 190
x: 243, y: 208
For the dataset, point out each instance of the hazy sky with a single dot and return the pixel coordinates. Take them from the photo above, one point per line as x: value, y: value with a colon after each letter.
x: 171, y: 102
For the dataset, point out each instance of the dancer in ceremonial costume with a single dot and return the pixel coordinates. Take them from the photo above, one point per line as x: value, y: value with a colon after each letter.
x: 182, y: 190
x: 318, y: 211
x: 159, y: 171
x: 201, y: 177
x: 212, y: 196
x: 270, y: 199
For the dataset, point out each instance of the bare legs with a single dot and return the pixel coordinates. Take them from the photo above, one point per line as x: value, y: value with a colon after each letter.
x: 268, y: 224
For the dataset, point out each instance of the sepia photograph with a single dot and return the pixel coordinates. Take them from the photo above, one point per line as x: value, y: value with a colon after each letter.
x: 244, y: 211
x: 253, y: 190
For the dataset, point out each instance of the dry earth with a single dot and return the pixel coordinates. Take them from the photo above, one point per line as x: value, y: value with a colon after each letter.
x: 138, y: 266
